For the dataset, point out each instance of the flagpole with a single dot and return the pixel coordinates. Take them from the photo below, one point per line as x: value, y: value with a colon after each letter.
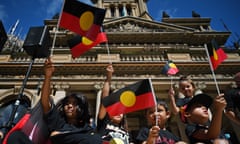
x: 155, y: 98
x: 55, y: 34
x: 211, y: 67
x: 108, y: 51
x: 171, y: 81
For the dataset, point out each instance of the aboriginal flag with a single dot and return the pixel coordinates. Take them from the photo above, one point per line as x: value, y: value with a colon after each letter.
x: 82, y: 19
x: 80, y: 44
x: 170, y: 68
x: 134, y: 97
x: 216, y: 54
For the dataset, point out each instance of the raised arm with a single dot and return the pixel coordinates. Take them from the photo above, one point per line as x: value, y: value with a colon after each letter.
x: 45, y: 95
x: 171, y: 94
x: 106, y: 90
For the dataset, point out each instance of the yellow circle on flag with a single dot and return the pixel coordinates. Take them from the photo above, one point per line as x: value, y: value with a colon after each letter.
x: 116, y: 141
x: 128, y: 98
x: 86, y: 41
x: 172, y: 65
x: 86, y: 20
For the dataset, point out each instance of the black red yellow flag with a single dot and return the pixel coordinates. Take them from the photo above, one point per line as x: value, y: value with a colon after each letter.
x: 216, y: 54
x: 134, y: 97
x: 80, y: 44
x: 82, y: 19
x: 170, y: 68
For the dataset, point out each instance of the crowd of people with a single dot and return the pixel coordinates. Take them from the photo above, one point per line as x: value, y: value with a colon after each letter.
x: 68, y: 121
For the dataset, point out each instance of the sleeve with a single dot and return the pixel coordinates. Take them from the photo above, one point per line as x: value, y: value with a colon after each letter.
x: 54, y: 120
x: 142, y: 135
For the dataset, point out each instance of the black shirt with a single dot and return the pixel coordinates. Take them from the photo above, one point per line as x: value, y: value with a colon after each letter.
x: 112, y: 132
x: 70, y: 134
x: 182, y: 101
x: 192, y: 128
x: 165, y: 136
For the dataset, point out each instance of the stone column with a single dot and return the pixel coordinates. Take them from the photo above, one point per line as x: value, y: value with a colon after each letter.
x: 116, y: 11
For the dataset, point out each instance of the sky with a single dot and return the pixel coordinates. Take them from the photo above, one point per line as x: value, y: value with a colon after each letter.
x: 33, y: 13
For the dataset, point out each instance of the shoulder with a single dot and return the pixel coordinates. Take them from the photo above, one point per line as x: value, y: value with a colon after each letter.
x: 167, y: 134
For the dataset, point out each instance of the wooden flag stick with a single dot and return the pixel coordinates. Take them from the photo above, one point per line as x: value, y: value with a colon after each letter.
x: 108, y: 51
x: 211, y: 67
x: 55, y: 33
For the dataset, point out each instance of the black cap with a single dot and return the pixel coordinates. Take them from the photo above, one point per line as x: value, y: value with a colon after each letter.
x: 202, y: 98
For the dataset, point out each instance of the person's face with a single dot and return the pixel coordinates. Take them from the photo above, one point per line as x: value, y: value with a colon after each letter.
x: 117, y: 119
x: 161, y: 116
x: 198, y: 114
x: 70, y: 108
x: 186, y: 88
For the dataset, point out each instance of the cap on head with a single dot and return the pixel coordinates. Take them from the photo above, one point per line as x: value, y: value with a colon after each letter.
x: 203, y: 99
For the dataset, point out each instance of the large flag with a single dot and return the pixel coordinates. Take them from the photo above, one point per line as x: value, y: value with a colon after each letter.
x: 170, y: 68
x: 80, y: 44
x: 82, y: 19
x: 3, y: 36
x: 134, y: 97
x: 216, y: 54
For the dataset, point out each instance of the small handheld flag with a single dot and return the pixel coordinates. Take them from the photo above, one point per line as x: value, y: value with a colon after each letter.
x: 170, y: 68
x: 216, y: 54
x: 82, y: 19
x: 80, y: 44
x: 134, y: 97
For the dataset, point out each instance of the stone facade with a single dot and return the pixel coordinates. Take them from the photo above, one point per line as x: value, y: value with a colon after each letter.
x: 138, y: 47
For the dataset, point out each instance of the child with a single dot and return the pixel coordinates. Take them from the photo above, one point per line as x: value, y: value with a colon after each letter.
x: 199, y: 128
x: 187, y: 88
x: 67, y: 122
x: 111, y: 128
x: 157, y: 134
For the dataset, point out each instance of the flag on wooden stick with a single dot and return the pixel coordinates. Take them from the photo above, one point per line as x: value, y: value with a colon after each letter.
x: 134, y: 97
x: 170, y: 68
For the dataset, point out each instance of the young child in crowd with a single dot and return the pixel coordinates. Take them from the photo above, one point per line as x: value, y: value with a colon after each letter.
x: 157, y: 132
x: 187, y: 88
x: 199, y: 129
x: 112, y: 129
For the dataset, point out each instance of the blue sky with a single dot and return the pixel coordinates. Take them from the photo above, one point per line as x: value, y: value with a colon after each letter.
x: 34, y: 12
